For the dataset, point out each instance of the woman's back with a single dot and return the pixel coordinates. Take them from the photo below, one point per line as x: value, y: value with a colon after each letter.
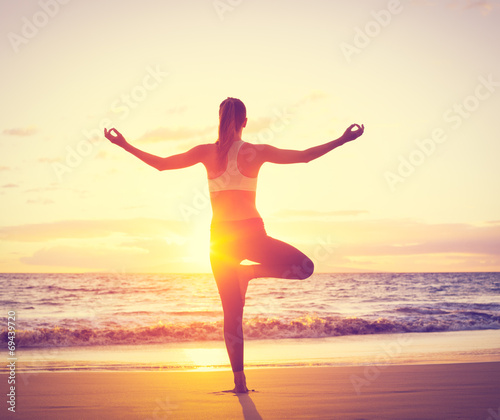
x: 233, y: 185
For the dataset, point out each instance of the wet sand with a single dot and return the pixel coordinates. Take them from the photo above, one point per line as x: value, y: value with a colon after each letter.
x: 434, y: 391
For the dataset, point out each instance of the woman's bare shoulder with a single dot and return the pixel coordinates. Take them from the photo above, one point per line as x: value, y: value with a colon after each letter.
x: 209, y: 151
x: 208, y: 147
x: 254, y: 146
x: 253, y: 153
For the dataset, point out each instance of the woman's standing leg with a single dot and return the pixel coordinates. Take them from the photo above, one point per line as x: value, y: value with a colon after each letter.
x: 225, y: 270
x: 277, y: 259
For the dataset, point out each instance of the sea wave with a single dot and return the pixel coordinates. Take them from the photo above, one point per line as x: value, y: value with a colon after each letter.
x: 308, y: 326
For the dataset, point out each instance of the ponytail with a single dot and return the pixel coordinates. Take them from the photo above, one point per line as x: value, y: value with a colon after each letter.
x: 232, y: 114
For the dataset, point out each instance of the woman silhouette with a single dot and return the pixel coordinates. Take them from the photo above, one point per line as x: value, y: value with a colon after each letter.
x: 237, y: 231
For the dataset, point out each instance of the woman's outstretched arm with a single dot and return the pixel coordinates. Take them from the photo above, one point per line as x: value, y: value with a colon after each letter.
x: 352, y: 133
x: 182, y: 160
x: 275, y: 155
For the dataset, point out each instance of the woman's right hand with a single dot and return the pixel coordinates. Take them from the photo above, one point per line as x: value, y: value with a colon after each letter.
x: 115, y: 137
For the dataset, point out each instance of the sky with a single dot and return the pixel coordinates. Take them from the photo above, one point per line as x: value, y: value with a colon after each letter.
x: 418, y: 192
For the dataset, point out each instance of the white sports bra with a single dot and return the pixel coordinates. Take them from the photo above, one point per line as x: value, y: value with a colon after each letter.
x: 232, y: 178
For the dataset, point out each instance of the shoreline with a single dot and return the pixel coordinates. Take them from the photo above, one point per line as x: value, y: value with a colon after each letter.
x: 358, y: 350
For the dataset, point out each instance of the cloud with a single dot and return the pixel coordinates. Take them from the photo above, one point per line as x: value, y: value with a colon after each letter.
x: 44, y: 189
x: 136, y: 245
x: 43, y: 201
x: 313, y: 214
x: 352, y: 237
x: 176, y: 110
x: 101, y: 154
x: 21, y: 132
x: 375, y: 238
x: 182, y: 133
x: 82, y: 229
x: 255, y: 125
x: 10, y: 186
x: 484, y: 6
x: 48, y: 159
x: 146, y: 244
x: 132, y: 256
x: 314, y: 96
x: 392, y: 245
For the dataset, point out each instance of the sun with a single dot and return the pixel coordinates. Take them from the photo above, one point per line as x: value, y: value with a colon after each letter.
x: 198, y: 249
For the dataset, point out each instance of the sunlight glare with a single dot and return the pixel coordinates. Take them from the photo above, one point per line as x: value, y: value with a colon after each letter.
x: 207, y: 359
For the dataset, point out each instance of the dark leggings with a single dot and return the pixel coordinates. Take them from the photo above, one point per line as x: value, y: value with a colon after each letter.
x: 234, y: 241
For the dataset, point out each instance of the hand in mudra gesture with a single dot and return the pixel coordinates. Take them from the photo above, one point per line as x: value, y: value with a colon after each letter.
x: 353, y: 132
x: 114, y: 136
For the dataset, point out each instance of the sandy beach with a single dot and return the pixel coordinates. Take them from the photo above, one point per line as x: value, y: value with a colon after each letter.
x: 437, y: 391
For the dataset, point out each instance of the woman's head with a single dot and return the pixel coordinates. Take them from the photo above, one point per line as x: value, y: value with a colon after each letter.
x: 232, y: 117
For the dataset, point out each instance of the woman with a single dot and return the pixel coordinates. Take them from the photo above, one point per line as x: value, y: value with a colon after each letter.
x: 237, y: 231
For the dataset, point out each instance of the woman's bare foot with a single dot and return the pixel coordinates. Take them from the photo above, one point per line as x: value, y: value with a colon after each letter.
x: 245, y: 274
x: 240, y: 390
x: 240, y: 383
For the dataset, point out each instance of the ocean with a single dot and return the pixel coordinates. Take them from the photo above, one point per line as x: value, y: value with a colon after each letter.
x: 109, y: 309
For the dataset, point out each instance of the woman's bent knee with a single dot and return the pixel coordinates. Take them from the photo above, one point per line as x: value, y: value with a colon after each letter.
x: 307, y: 268
x: 300, y: 270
